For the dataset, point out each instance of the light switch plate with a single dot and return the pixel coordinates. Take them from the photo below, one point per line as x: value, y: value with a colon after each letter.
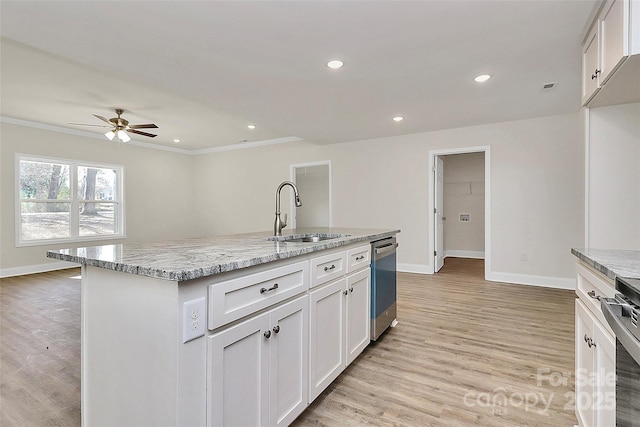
x: 193, y: 319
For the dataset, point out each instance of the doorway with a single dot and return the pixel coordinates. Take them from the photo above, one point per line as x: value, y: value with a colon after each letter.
x: 314, y: 185
x: 460, y: 203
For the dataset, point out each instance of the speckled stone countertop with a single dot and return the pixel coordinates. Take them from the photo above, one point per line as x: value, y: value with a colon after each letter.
x: 611, y: 263
x: 188, y: 259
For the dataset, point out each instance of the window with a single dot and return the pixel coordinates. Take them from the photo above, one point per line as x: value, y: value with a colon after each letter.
x: 67, y: 200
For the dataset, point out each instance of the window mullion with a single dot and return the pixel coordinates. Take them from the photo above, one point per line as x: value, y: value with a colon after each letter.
x: 74, y: 215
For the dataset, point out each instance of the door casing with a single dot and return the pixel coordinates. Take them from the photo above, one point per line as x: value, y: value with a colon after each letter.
x: 486, y: 149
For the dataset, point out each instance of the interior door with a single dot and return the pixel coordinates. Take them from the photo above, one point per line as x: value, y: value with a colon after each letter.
x: 314, y: 184
x: 438, y: 173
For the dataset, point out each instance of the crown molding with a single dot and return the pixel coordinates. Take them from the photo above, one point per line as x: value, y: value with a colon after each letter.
x: 219, y: 149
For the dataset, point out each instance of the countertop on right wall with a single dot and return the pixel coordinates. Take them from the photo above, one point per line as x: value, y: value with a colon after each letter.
x: 611, y: 262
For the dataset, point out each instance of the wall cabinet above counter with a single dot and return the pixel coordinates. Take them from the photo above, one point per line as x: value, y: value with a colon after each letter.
x: 611, y: 54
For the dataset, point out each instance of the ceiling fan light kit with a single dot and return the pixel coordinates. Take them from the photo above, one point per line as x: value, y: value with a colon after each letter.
x: 121, y: 127
x: 122, y: 136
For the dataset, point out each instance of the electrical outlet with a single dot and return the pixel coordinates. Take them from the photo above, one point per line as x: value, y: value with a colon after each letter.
x: 193, y: 319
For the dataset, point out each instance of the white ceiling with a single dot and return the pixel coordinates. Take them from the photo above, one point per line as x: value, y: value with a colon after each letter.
x: 204, y: 70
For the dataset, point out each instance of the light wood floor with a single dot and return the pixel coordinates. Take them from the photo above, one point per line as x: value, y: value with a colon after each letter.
x: 466, y: 352
x: 40, y: 350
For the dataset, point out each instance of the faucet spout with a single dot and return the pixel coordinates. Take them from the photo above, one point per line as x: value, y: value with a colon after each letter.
x: 279, y: 224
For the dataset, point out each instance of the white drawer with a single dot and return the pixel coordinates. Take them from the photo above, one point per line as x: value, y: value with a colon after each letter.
x: 591, y: 285
x: 328, y: 267
x: 358, y: 258
x: 233, y: 299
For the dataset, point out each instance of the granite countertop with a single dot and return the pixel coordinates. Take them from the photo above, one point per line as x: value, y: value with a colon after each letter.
x: 610, y: 262
x: 180, y: 260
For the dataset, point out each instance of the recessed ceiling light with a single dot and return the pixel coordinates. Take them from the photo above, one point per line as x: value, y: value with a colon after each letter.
x: 398, y: 118
x: 482, y: 78
x: 176, y: 140
x: 335, y: 64
x: 252, y: 127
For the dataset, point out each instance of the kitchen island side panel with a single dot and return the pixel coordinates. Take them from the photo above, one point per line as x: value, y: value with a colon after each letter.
x: 129, y: 352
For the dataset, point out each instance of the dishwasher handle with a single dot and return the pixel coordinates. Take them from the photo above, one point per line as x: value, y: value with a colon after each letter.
x: 391, y: 247
x: 613, y: 312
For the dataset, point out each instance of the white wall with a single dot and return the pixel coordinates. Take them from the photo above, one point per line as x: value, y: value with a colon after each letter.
x: 159, y: 189
x: 464, y: 193
x: 614, y: 177
x: 537, y: 190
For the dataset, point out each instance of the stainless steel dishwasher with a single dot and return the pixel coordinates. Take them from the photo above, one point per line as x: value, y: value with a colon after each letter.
x: 383, y: 285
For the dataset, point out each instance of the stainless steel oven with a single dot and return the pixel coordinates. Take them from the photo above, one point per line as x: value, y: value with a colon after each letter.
x: 622, y: 313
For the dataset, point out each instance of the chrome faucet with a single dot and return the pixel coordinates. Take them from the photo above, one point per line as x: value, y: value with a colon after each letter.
x: 279, y: 223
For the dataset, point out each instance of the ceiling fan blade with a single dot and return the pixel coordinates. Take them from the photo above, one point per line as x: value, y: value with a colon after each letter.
x: 103, y: 119
x: 145, y: 126
x: 86, y: 124
x: 150, y: 135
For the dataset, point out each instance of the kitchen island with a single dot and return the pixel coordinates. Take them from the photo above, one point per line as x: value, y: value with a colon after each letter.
x: 231, y: 330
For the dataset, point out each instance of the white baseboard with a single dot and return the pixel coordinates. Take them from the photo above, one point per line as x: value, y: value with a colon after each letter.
x: 517, y: 279
x: 33, y: 269
x: 415, y: 268
x: 464, y: 254
x: 526, y: 279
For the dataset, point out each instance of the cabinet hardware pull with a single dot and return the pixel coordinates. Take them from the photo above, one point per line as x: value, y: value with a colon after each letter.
x: 276, y: 329
x: 351, y: 289
x: 593, y: 295
x: 595, y: 74
x: 330, y: 268
x: 345, y: 293
x: 274, y: 287
x: 267, y: 334
x: 586, y: 338
x: 359, y: 258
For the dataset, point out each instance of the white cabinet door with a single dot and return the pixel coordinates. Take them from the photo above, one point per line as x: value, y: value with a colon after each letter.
x: 258, y: 369
x: 289, y: 361
x: 327, y: 335
x: 605, y: 368
x: 614, y: 27
x: 595, y: 371
x: 238, y: 375
x: 591, y: 64
x: 584, y: 366
x: 358, y: 313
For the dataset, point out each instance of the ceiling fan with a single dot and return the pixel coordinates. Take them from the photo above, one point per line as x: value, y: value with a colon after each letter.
x: 120, y: 127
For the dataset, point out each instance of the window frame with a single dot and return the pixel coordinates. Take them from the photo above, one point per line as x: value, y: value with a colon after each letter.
x: 74, y: 201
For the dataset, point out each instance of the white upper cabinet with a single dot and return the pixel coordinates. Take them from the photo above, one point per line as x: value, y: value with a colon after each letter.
x: 614, y: 39
x: 590, y: 65
x: 611, y: 55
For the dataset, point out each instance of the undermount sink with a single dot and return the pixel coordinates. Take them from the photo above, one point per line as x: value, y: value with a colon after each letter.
x: 307, y: 238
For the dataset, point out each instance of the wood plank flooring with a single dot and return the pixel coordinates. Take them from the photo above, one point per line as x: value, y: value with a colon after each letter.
x: 466, y: 352
x: 40, y: 349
